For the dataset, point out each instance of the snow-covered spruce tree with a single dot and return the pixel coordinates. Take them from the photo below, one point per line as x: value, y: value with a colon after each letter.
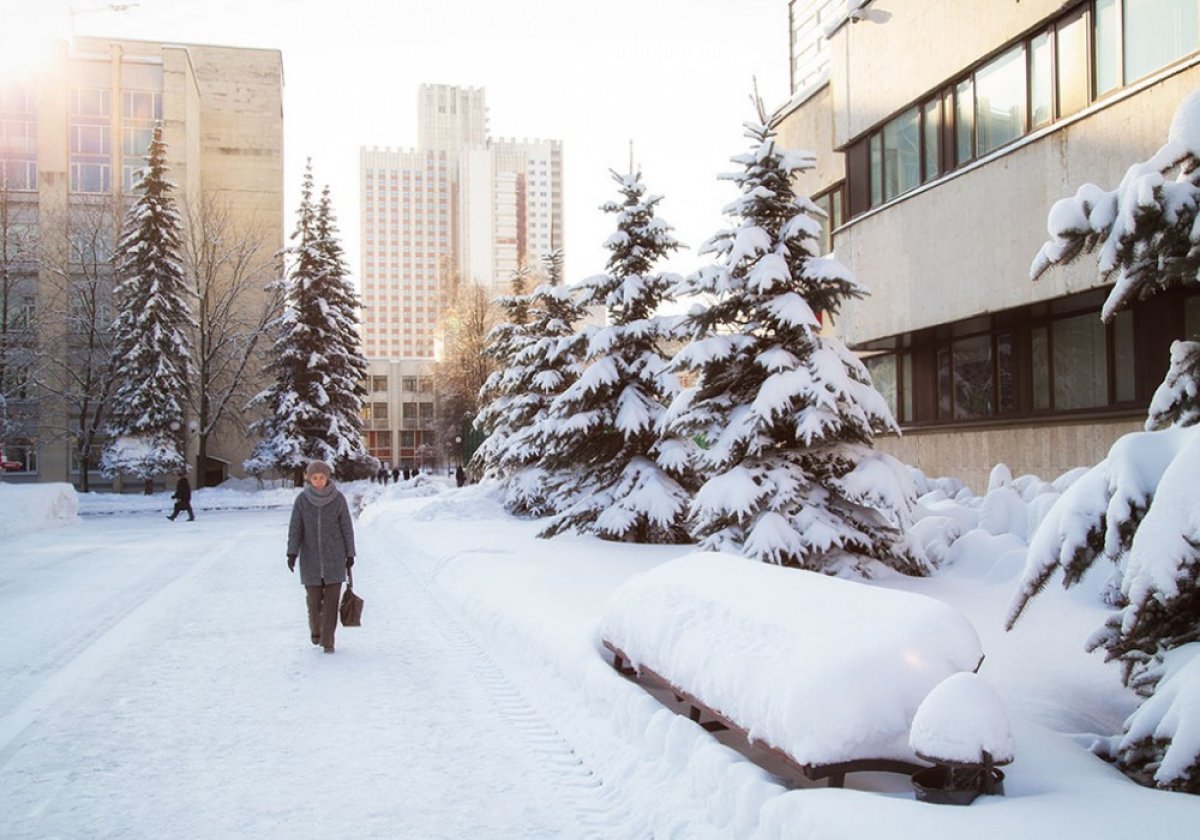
x: 152, y: 347
x: 600, y: 433
x: 503, y: 400
x: 1136, y: 508
x: 551, y: 362
x: 344, y: 365
x: 316, y: 372
x: 1147, y: 232
x: 784, y: 415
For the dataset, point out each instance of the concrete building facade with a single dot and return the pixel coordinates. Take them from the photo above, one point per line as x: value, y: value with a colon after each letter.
x: 74, y: 130
x: 946, y: 131
x: 461, y: 207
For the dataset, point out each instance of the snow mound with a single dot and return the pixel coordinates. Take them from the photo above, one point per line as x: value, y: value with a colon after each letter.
x: 961, y: 719
x: 25, y: 508
x: 826, y: 669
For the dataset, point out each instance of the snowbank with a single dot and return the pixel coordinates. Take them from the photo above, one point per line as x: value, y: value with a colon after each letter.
x: 35, y: 507
x: 827, y: 670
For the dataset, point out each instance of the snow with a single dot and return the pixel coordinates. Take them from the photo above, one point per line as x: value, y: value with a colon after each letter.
x: 827, y: 670
x: 960, y: 720
x: 36, y: 507
x: 157, y: 679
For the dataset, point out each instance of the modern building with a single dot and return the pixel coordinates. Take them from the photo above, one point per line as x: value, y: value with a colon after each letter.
x: 73, y: 131
x: 945, y: 132
x: 460, y: 207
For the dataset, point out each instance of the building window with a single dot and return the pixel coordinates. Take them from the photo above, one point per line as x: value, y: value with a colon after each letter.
x: 379, y: 384
x: 18, y: 138
x: 1055, y: 358
x: 964, y: 121
x: 831, y: 203
x: 1108, y: 48
x: 90, y: 140
x: 1041, y: 80
x: 1156, y: 33
x: 1072, y: 54
x: 1082, y: 55
x: 1000, y: 101
x: 901, y: 154
x: 24, y: 453
x: 931, y: 129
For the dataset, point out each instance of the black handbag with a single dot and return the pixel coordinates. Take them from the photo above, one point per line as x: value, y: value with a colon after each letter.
x: 352, y: 606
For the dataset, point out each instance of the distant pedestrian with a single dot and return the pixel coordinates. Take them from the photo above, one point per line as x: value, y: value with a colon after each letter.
x: 460, y: 476
x: 395, y: 475
x: 321, y: 535
x: 383, y: 475
x: 183, y: 498
x: 407, y: 474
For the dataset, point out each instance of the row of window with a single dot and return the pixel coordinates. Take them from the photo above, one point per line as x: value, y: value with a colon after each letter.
x: 1049, y: 358
x: 1084, y: 54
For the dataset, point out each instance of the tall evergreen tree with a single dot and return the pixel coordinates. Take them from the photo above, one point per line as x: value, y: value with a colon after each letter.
x: 504, y: 402
x: 786, y: 415
x: 151, y: 345
x: 551, y: 361
x: 316, y: 368
x: 601, y: 432
x: 345, y: 367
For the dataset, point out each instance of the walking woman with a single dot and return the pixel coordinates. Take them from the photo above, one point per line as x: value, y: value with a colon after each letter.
x: 322, y: 536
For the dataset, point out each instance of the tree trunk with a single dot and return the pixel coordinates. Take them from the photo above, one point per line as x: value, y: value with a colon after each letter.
x: 201, y: 460
x: 148, y: 487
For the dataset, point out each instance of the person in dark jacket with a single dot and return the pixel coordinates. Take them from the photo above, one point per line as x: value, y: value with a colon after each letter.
x: 321, y: 536
x: 183, y: 498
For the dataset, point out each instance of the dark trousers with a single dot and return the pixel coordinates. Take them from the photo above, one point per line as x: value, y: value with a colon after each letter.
x: 323, y: 601
x: 180, y: 507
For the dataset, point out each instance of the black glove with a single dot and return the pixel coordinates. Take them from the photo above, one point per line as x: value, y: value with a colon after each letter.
x: 291, y: 562
x: 349, y: 562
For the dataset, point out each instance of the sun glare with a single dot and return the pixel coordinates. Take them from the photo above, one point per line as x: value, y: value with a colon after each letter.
x: 25, y: 49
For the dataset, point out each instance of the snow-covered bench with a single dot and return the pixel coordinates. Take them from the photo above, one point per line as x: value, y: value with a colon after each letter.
x: 825, y: 674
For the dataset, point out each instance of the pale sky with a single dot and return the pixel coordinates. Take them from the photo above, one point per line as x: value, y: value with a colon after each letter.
x: 673, y: 76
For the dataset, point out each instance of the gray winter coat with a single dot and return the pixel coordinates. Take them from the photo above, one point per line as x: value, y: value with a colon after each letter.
x: 322, y: 534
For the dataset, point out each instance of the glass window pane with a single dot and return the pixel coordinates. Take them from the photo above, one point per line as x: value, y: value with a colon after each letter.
x: 1041, y: 80
x: 1191, y: 318
x: 943, y: 382
x: 1000, y: 100
x: 876, y: 169
x: 964, y: 121
x: 932, y: 133
x: 1123, y: 356
x: 1007, y: 374
x: 1073, y: 72
x: 1107, y: 47
x: 973, y: 386
x: 883, y: 376
x: 901, y: 150
x: 1156, y: 33
x: 906, y: 387
x: 1079, y: 363
x: 1040, y: 363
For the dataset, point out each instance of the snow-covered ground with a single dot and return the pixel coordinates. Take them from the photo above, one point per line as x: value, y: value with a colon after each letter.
x: 157, y: 680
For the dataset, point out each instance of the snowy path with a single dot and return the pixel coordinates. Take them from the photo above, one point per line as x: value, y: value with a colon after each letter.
x: 158, y: 681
